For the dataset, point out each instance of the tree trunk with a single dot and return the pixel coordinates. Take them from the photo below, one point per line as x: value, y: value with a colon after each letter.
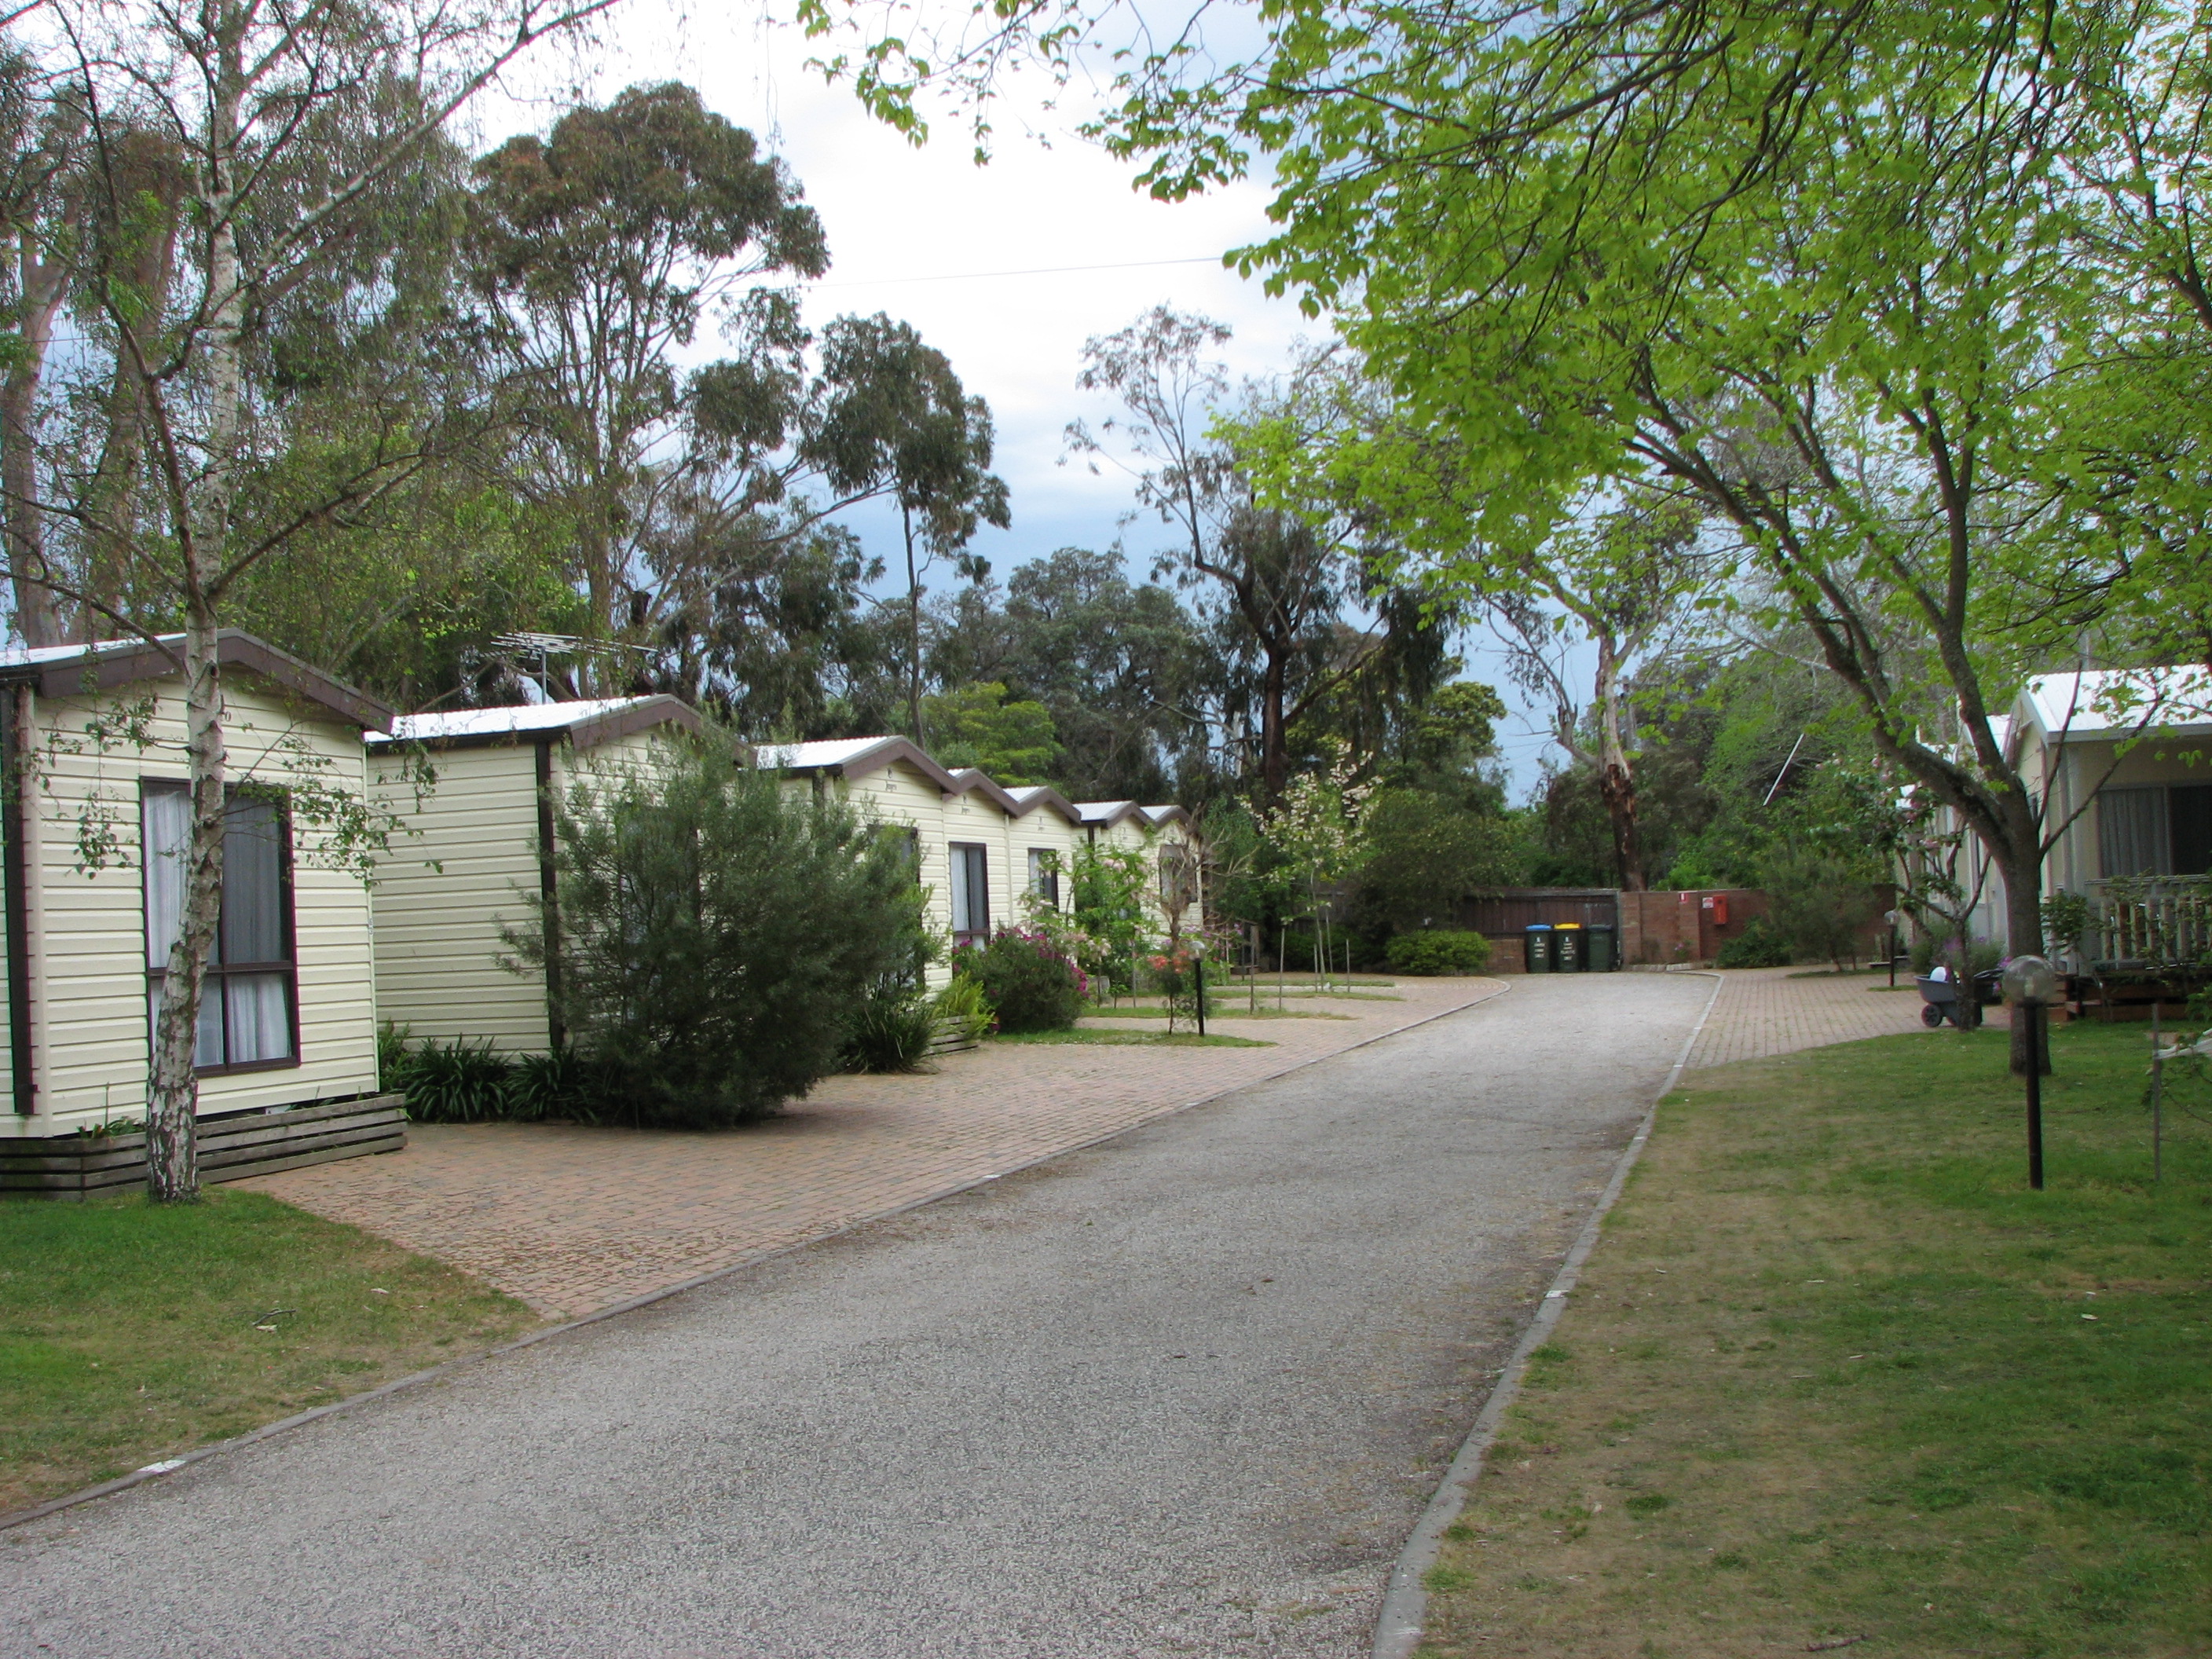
x: 145, y: 171
x: 173, y: 1106
x: 913, y: 632
x: 203, y: 515
x: 40, y: 283
x: 1274, y: 742
x: 1616, y: 783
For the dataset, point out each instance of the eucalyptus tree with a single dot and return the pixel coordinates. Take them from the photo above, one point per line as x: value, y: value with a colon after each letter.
x: 42, y: 218
x: 1624, y: 585
x: 895, y: 421
x: 284, y: 126
x: 1279, y: 579
x: 599, y: 251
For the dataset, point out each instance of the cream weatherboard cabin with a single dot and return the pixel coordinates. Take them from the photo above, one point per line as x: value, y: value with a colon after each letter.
x: 95, y: 818
x: 2119, y: 763
x: 979, y: 849
x: 475, y: 791
x: 1159, y: 833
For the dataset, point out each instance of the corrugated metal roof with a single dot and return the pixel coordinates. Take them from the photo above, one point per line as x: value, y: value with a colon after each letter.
x: 514, y: 717
x: 2101, y: 703
x: 823, y: 751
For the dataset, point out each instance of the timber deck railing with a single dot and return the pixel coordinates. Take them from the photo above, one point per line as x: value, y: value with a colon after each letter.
x: 2156, y: 920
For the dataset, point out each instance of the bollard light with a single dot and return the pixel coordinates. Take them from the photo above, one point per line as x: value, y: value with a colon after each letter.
x: 2030, y: 983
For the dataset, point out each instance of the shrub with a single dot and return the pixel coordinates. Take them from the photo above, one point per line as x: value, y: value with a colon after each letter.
x: 1438, y: 951
x: 452, y: 1082
x: 716, y: 935
x: 1759, y: 945
x: 1030, y: 984
x: 964, y: 1000
x: 562, y: 1083
x: 891, y: 1031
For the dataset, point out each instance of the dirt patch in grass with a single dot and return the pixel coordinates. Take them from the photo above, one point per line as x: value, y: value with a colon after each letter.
x: 1834, y: 1371
x: 1136, y: 1039
x: 129, y: 1332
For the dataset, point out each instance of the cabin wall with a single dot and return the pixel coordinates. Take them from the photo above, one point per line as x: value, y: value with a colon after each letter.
x: 448, y: 893
x: 463, y: 872
x: 91, y: 1035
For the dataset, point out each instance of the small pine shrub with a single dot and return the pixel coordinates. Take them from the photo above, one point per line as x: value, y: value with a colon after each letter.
x: 1438, y: 951
x: 717, y: 935
x: 1030, y: 984
x: 1759, y: 945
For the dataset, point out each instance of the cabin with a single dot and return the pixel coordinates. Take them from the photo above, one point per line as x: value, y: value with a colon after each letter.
x: 96, y: 816
x: 978, y: 849
x: 474, y: 791
x: 1161, y: 833
x: 2120, y: 760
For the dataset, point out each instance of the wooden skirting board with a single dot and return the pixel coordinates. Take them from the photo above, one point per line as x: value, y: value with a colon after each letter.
x: 230, y: 1147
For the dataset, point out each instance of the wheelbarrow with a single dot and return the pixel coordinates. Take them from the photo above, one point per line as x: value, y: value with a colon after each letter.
x: 1939, y: 998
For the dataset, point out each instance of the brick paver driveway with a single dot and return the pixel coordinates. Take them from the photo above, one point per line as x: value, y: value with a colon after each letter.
x: 1767, y: 1011
x: 576, y: 1219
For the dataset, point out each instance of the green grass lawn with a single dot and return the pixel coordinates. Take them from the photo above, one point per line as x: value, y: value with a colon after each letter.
x: 1834, y: 1371
x: 129, y: 1332
x: 1134, y: 1039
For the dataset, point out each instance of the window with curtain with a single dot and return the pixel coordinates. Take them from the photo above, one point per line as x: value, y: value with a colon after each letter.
x: 971, y: 893
x: 2131, y: 827
x: 1044, y: 876
x: 246, y: 1010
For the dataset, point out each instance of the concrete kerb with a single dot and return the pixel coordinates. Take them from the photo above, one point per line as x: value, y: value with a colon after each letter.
x: 1405, y: 1604
x: 299, y: 1419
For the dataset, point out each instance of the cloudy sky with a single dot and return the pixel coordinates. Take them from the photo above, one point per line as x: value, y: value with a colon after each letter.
x: 1008, y: 268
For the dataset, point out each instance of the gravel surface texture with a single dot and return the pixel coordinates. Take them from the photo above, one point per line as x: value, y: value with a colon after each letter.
x: 1183, y: 1393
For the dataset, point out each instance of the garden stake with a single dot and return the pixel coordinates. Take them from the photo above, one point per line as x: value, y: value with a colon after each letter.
x: 1199, y: 964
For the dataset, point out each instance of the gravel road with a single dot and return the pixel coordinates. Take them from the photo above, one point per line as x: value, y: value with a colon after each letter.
x: 1183, y: 1393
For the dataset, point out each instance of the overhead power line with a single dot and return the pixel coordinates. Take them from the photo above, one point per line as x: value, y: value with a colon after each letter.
x: 1042, y: 270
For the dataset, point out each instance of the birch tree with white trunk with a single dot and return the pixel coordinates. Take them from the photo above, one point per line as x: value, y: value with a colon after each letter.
x: 286, y: 120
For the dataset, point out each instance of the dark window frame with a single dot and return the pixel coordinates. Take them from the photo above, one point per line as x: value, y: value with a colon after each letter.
x: 216, y: 973
x: 955, y: 853
x: 1049, y: 885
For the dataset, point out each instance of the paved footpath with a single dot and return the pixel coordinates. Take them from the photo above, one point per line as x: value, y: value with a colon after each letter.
x: 1762, y: 1011
x: 576, y: 1219
x: 1184, y: 1392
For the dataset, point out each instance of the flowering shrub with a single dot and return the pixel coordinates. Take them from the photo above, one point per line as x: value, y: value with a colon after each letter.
x: 1031, y: 980
x: 1174, y: 974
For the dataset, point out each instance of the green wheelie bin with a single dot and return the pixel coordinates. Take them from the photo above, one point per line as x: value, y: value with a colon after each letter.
x: 1599, y: 955
x: 1538, y: 944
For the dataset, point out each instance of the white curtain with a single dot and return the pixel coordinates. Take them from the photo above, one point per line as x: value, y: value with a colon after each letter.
x: 2131, y: 832
x: 259, y: 1026
x: 165, y: 821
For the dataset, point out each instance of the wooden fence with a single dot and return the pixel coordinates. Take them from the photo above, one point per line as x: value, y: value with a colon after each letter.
x: 2153, y: 920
